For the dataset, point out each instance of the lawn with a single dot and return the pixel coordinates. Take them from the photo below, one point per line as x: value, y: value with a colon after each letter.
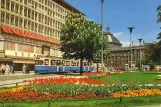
x: 149, y: 77
x: 126, y: 102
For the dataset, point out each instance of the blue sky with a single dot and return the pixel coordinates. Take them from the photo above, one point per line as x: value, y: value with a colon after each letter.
x: 120, y: 14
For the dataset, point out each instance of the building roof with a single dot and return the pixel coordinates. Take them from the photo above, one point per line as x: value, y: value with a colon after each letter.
x: 112, y: 39
x: 68, y: 6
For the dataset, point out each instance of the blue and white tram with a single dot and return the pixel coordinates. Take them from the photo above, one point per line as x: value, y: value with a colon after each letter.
x: 57, y: 65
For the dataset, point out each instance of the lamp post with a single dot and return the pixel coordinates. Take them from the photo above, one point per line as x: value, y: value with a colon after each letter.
x: 102, y: 1
x: 140, y: 51
x: 130, y: 29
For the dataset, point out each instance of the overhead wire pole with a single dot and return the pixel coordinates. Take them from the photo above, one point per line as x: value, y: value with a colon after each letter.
x: 130, y: 29
x: 102, y: 65
x: 140, y: 51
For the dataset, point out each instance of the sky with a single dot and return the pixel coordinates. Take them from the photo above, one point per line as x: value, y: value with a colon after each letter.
x: 121, y: 14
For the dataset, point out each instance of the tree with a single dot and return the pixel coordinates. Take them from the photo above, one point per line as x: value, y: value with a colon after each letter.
x: 159, y: 35
x: 80, y: 39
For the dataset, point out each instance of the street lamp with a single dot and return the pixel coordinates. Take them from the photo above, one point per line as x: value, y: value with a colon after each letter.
x: 130, y: 29
x: 102, y: 1
x: 140, y: 51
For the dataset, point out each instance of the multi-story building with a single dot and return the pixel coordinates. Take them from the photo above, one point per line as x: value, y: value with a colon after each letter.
x: 121, y: 56
x: 29, y: 28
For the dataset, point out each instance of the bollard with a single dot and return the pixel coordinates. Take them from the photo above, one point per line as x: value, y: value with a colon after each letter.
x: 120, y: 99
x: 48, y: 103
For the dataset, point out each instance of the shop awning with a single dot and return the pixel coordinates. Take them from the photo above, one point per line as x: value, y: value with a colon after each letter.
x: 24, y: 61
x: 5, y: 60
x: 30, y: 35
x: 5, y: 29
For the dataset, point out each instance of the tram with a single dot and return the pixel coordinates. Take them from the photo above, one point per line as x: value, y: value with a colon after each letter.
x: 45, y: 65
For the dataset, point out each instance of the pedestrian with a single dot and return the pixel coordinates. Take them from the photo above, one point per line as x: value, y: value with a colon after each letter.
x: 27, y: 69
x: 7, y: 69
x: 24, y: 68
x: 3, y: 69
x: 0, y: 69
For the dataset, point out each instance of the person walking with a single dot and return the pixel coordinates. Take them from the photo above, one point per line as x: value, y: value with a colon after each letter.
x: 27, y: 69
x: 24, y: 68
x: 3, y: 69
x: 7, y: 69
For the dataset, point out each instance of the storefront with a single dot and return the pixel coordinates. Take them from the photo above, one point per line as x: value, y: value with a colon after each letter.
x: 18, y: 63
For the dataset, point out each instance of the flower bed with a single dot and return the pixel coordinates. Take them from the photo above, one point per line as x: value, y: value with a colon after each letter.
x: 62, y: 88
x: 136, y: 93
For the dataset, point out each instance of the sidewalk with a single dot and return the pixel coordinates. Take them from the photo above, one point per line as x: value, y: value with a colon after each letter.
x: 8, y: 83
x: 19, y: 77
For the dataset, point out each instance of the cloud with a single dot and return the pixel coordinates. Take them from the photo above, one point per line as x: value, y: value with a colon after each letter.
x: 118, y: 34
x: 125, y: 43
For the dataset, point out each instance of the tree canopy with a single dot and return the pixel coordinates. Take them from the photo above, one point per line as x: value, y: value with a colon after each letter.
x: 159, y: 19
x: 159, y: 35
x: 81, y: 38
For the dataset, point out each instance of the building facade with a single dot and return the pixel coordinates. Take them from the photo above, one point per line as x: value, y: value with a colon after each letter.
x: 120, y: 57
x: 31, y: 28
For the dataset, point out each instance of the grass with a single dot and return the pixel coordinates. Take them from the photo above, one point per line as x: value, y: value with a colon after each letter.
x: 133, y: 76
x: 126, y: 102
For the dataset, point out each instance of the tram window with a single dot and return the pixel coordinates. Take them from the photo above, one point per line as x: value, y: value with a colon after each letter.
x: 39, y: 62
x: 74, y: 63
x: 63, y: 63
x: 77, y: 63
x: 58, y: 62
x: 85, y: 63
x: 46, y: 62
x: 53, y: 62
x: 67, y: 63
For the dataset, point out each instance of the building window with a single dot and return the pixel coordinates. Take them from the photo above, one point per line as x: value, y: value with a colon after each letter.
x: 12, y: 7
x: 25, y: 2
x: 36, y: 5
x: 36, y: 16
x: 25, y: 23
x: 29, y: 13
x: 8, y: 4
x: 17, y: 8
x: 32, y: 26
x: 32, y: 14
x: 31, y: 49
x: 29, y: 24
x: 35, y: 27
x: 25, y: 12
x: 16, y: 21
x: 20, y: 23
x: 39, y: 17
x: 12, y: 20
x: 10, y: 46
x: 2, y: 16
x: 20, y: 47
x: 45, y: 19
x: 21, y: 1
x: 7, y: 18
x: 38, y: 50
x: 23, y: 48
x: 2, y: 3
x: 39, y: 29
x: 21, y: 10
